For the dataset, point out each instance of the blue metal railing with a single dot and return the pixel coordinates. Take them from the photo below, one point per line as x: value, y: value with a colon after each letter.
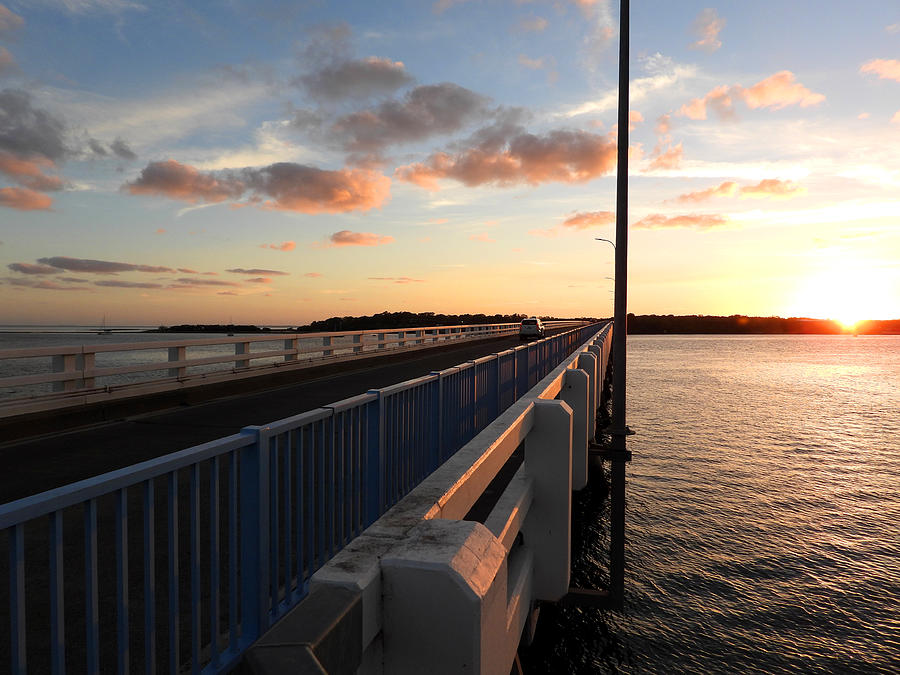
x: 184, y: 560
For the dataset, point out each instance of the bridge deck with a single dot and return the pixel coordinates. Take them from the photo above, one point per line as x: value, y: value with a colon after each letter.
x: 46, y: 462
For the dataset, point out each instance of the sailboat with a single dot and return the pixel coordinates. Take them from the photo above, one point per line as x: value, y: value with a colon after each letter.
x: 103, y: 329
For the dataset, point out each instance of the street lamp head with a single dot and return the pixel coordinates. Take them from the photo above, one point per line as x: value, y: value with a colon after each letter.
x: 611, y: 243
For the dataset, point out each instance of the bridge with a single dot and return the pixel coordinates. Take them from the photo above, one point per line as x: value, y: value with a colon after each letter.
x: 237, y: 548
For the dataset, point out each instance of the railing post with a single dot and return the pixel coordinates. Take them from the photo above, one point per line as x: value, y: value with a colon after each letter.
x: 373, y: 500
x: 547, y: 530
x: 326, y: 343
x: 357, y: 344
x: 576, y: 385
x: 254, y: 506
x: 420, y: 337
x: 177, y: 354
x: 293, y: 345
x: 71, y: 364
x: 381, y: 344
x: 239, y: 349
x: 588, y: 363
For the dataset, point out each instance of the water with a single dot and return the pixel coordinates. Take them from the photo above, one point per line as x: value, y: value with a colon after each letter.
x: 763, y: 513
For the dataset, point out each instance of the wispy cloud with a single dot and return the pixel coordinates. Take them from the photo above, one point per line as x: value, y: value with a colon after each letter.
x: 29, y: 268
x: 589, y: 219
x: 531, y: 24
x: 10, y: 22
x: 112, y: 283
x: 283, y: 246
x: 886, y: 69
x: 776, y: 92
x: 707, y: 27
x: 348, y: 238
x: 483, y: 237
x: 771, y: 188
x: 258, y: 272
x: 100, y: 266
x: 703, y: 221
x: 24, y: 199
x: 398, y: 280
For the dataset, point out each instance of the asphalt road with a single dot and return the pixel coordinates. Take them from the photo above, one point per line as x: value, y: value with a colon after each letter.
x: 42, y: 463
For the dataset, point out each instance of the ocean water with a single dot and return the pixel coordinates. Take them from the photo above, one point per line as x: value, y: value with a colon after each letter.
x: 763, y: 513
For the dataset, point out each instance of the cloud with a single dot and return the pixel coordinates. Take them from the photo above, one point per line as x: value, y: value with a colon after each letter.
x: 707, y: 27
x: 664, y: 125
x: 720, y: 99
x: 532, y: 64
x: 726, y: 189
x: 670, y: 159
x: 28, y: 132
x: 886, y: 69
x: 398, y: 280
x: 100, y: 266
x: 560, y: 156
x: 356, y: 79
x: 29, y: 268
x: 312, y: 275
x: 441, y: 6
x: 780, y: 91
x: 257, y: 272
x: 29, y: 172
x: 121, y: 150
x: 227, y: 293
x: 588, y: 219
x: 7, y: 61
x: 348, y: 238
x: 291, y: 187
x: 532, y: 24
x: 87, y: 6
x: 184, y: 282
x: 24, y: 199
x: 283, y: 246
x: 704, y: 221
x: 896, y: 118
x: 43, y: 284
x: 10, y: 23
x: 423, y: 112
x: 893, y: 29
x: 772, y: 187
x: 483, y: 237
x: 112, y: 283
x: 777, y: 91
x: 181, y: 181
x: 260, y: 280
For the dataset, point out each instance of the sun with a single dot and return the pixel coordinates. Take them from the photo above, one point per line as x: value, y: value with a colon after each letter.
x: 847, y: 295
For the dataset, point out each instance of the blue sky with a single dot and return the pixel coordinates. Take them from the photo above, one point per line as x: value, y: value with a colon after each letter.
x: 278, y: 162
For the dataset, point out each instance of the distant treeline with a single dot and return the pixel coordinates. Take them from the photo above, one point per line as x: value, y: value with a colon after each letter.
x: 653, y: 324
x: 347, y: 323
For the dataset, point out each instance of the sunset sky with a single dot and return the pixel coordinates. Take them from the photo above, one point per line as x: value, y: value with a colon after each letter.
x: 254, y: 161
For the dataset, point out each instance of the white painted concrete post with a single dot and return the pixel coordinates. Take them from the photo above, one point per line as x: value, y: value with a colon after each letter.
x: 381, y: 344
x: 326, y: 343
x: 547, y: 531
x: 241, y: 348
x: 291, y: 343
x: 597, y: 351
x: 87, y: 364
x: 64, y: 363
x: 177, y: 354
x: 588, y: 363
x: 575, y: 392
x: 444, y: 598
x: 357, y: 344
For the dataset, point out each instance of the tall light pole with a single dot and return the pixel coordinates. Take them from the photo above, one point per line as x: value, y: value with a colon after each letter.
x: 619, y: 430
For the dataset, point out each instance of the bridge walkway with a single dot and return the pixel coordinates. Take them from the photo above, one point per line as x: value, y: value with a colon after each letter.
x: 45, y: 462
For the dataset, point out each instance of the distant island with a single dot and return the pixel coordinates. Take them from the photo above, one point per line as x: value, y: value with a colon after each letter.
x: 640, y: 324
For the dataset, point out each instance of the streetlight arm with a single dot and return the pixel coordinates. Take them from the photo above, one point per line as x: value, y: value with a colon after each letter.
x: 607, y: 241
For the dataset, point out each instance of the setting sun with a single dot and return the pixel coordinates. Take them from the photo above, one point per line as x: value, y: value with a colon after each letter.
x: 847, y: 295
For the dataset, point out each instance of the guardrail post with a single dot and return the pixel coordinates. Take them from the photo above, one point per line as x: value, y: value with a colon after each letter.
x: 547, y: 530
x: 239, y: 349
x: 402, y: 335
x: 357, y: 344
x: 420, y: 337
x: 254, y: 505
x: 326, y: 343
x: 588, y: 363
x: 293, y: 345
x: 177, y: 354
x: 575, y: 392
x: 68, y: 363
x: 374, y: 467
x: 381, y: 344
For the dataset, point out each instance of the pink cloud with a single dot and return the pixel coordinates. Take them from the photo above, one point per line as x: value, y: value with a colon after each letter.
x: 260, y: 280
x: 704, y: 221
x: 886, y: 69
x: 312, y: 275
x: 589, y: 219
x: 559, y: 156
x: 43, y: 284
x: 24, y: 199
x: 29, y: 268
x: 707, y: 27
x: 483, y: 237
x: 160, y: 230
x: 283, y: 246
x: 726, y: 189
x: 186, y: 270
x: 29, y: 172
x: 255, y: 271
x: 670, y: 159
x: 348, y: 238
x: 398, y: 280
x: 719, y: 99
x: 283, y: 186
x: 772, y: 187
x: 779, y: 91
x: 896, y: 118
x: 9, y: 22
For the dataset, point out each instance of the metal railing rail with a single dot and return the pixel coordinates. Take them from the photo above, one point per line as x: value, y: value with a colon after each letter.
x: 73, y: 373
x: 188, y: 558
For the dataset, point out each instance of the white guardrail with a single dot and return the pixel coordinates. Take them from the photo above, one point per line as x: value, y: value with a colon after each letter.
x: 82, y: 374
x: 455, y: 594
